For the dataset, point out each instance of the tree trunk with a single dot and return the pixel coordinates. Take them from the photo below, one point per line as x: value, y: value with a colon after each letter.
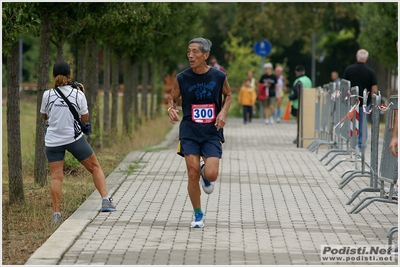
x: 153, y: 87
x: 127, y: 100
x: 106, y: 91
x: 15, y: 184
x: 60, y: 50
x: 160, y: 88
x: 125, y: 103
x: 135, y: 83
x: 91, y: 89
x: 81, y: 63
x: 145, y: 83
x: 40, y: 173
x: 115, y: 87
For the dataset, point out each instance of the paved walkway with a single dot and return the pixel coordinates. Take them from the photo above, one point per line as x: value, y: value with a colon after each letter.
x: 273, y: 204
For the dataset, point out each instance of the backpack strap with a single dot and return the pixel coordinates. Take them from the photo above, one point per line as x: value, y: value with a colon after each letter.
x: 77, y: 125
x: 71, y: 108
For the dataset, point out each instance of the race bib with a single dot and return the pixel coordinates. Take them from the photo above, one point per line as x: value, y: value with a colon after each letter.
x: 204, y: 113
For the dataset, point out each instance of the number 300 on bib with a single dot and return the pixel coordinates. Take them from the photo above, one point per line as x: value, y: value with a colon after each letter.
x: 204, y: 113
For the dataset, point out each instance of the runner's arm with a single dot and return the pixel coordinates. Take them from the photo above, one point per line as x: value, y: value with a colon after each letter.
x: 175, y: 94
x: 394, y: 142
x: 221, y: 118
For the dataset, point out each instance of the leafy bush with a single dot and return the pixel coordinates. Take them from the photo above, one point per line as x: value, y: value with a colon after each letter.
x: 243, y: 60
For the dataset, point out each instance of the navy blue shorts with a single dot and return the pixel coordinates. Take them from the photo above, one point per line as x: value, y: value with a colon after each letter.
x: 210, y: 148
x: 80, y: 149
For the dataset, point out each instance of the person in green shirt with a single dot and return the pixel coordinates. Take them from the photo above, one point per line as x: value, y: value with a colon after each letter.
x: 303, y: 80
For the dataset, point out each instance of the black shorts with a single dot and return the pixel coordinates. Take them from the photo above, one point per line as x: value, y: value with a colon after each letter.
x: 210, y: 148
x: 80, y: 149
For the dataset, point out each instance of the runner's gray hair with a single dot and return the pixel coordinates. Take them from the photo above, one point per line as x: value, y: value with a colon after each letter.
x: 205, y: 44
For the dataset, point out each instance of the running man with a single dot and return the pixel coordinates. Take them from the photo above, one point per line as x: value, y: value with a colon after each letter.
x: 204, y: 116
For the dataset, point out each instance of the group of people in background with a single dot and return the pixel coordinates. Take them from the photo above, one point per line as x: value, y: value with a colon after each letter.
x: 270, y: 88
x: 269, y: 91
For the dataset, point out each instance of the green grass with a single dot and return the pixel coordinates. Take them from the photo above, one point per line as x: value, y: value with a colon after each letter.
x: 132, y: 167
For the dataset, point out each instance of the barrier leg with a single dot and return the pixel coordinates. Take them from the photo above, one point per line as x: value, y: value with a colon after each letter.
x: 379, y: 199
x: 336, y: 164
x: 355, y: 172
x: 361, y: 202
x: 391, y: 231
x: 332, y: 151
x: 321, y: 144
x: 358, y: 192
x: 351, y: 178
x: 329, y: 161
x: 312, y: 144
x: 347, y: 171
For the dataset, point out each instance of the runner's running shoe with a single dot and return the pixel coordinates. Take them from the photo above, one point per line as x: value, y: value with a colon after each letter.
x: 107, y: 205
x: 56, y: 219
x: 208, y: 187
x: 198, y: 221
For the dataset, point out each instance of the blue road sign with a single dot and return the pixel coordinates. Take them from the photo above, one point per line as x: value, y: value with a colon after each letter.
x: 262, y: 48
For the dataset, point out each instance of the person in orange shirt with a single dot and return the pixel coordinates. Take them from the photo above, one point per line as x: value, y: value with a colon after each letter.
x: 247, y: 99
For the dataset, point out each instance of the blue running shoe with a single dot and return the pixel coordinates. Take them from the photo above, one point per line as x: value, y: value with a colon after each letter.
x: 198, y: 221
x: 208, y: 187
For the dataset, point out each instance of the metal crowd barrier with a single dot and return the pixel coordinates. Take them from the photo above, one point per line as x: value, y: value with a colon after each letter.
x: 388, y: 169
x: 336, y: 126
x: 376, y: 102
x: 361, y: 172
x: 341, y: 134
x: 335, y: 110
x: 351, y: 115
x: 324, y: 120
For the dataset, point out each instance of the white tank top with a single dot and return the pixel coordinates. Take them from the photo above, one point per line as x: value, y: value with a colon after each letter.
x: 280, y: 85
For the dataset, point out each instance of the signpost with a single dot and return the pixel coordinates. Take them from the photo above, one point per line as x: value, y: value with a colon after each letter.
x: 263, y: 49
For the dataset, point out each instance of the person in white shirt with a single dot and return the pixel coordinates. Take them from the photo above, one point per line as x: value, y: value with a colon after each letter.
x: 281, y: 89
x: 64, y: 133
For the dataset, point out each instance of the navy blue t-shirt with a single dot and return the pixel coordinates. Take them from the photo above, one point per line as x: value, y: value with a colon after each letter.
x: 200, y: 89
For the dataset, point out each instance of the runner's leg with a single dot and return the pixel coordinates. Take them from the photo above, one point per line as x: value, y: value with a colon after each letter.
x: 57, y: 175
x: 211, y: 168
x: 193, y: 168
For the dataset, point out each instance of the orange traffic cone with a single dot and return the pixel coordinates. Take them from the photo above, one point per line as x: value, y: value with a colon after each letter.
x: 287, y: 113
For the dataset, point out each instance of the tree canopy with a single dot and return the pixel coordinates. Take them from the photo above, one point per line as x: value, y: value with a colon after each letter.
x: 162, y: 29
x: 379, y: 31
